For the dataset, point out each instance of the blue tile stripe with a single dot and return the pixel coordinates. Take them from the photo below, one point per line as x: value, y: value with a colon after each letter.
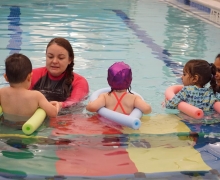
x: 195, y: 5
x: 200, y: 7
x: 161, y: 54
x: 14, y: 30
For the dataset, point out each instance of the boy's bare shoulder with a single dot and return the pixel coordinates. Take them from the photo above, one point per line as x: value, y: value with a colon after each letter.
x: 35, y: 92
x: 4, y: 90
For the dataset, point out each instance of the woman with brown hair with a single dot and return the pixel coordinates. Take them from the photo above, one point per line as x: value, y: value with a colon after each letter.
x: 56, y: 80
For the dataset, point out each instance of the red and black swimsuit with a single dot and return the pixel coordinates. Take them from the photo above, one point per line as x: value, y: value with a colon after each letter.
x: 53, y: 89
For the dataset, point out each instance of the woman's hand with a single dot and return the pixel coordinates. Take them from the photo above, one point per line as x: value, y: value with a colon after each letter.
x: 57, y: 104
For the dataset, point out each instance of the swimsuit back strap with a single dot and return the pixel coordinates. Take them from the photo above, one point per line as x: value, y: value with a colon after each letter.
x: 119, y: 102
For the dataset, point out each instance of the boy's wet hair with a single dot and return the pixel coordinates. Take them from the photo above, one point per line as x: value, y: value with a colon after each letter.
x: 17, y: 68
x: 204, y: 70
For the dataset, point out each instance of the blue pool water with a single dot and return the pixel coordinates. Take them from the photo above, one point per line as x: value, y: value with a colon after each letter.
x: 154, y: 38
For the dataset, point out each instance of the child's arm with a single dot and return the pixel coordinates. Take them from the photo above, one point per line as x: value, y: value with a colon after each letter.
x: 174, y: 102
x: 56, y: 104
x: 95, y: 105
x: 50, y: 109
x: 142, y: 105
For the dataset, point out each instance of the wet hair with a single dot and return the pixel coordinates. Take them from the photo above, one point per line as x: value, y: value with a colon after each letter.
x: 17, y: 68
x: 69, y: 76
x: 129, y: 90
x: 218, y: 56
x: 205, y: 71
x: 119, y: 76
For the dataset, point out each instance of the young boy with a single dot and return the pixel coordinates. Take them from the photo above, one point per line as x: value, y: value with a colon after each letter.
x: 18, y: 103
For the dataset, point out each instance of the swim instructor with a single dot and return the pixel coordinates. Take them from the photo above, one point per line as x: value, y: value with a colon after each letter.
x: 57, y: 81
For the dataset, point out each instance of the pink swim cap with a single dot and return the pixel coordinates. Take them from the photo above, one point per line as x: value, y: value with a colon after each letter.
x: 119, y: 76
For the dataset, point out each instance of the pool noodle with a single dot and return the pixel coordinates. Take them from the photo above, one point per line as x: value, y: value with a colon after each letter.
x: 132, y: 120
x: 184, y: 107
x: 172, y: 90
x: 190, y: 110
x: 34, y: 122
x: 1, y: 111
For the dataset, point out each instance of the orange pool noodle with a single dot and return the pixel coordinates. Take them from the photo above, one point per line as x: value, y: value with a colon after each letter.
x: 184, y: 107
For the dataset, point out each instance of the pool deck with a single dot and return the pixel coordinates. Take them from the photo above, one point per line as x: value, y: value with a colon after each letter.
x: 207, y: 10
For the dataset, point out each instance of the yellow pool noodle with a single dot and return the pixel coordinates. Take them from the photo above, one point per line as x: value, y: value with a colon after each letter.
x: 0, y: 110
x: 34, y: 122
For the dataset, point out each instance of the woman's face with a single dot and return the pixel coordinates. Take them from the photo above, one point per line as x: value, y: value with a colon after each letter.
x: 217, y: 76
x: 57, y: 59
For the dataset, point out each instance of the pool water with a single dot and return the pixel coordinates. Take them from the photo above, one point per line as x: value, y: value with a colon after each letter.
x: 156, y: 40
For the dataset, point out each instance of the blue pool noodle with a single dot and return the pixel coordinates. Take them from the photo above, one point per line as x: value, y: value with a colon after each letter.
x: 132, y: 120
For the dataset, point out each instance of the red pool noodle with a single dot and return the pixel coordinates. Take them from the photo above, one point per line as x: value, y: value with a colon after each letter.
x: 184, y: 107
x: 190, y: 110
x: 172, y: 90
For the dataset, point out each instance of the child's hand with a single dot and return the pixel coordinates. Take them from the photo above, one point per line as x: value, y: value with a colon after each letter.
x: 56, y: 104
x: 164, y: 103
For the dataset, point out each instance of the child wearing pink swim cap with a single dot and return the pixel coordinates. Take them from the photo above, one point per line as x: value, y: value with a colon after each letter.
x: 120, y: 98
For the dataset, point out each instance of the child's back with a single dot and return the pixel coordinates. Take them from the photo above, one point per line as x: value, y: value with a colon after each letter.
x: 119, y: 99
x: 18, y: 103
x: 125, y: 102
x: 21, y: 102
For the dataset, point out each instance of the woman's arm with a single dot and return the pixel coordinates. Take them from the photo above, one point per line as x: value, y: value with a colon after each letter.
x: 80, y: 91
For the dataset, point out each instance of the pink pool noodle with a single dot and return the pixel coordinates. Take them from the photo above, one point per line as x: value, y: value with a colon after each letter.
x: 184, y: 107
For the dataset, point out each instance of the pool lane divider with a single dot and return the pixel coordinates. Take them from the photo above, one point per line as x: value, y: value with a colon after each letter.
x: 15, y: 30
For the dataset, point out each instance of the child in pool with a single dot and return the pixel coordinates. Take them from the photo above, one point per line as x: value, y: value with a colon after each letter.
x: 18, y: 103
x: 120, y: 98
x: 196, y: 74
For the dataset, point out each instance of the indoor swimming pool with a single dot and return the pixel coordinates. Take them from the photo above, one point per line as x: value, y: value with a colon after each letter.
x: 156, y: 40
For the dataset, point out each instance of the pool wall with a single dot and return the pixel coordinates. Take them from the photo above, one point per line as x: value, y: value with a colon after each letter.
x: 211, y: 7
